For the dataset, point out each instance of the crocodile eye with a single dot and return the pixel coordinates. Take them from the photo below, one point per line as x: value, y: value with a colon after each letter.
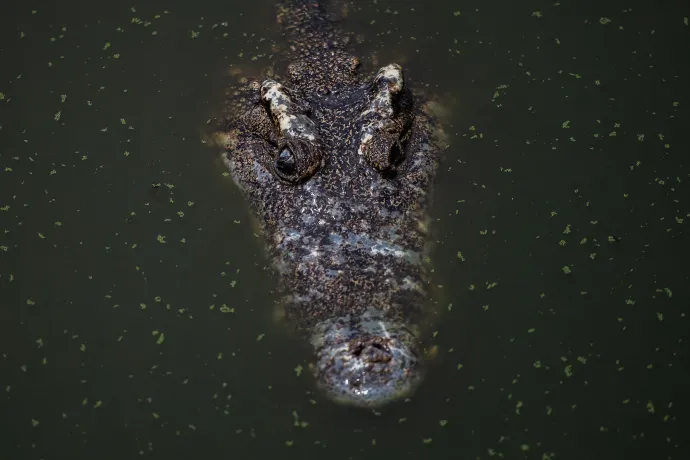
x: 395, y: 154
x: 386, y: 121
x: 296, y: 160
x: 285, y: 162
x: 299, y: 149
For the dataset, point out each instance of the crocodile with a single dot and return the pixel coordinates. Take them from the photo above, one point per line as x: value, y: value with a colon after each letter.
x: 337, y: 165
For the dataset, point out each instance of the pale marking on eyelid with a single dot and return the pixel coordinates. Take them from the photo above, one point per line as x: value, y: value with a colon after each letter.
x: 280, y: 105
x: 381, y: 107
x: 392, y: 73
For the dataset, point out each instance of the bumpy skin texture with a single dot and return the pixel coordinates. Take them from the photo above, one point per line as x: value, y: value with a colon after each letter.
x: 337, y: 167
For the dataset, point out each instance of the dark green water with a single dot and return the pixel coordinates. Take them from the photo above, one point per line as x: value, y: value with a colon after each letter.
x: 135, y: 319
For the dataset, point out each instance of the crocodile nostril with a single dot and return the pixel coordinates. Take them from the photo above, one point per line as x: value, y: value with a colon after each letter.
x: 372, y: 353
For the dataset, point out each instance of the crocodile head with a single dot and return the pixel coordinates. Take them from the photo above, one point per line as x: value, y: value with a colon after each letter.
x: 337, y: 165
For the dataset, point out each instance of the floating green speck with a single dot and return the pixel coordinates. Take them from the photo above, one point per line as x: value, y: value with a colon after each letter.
x: 518, y: 406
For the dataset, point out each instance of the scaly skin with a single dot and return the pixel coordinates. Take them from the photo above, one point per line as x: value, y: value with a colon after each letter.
x: 337, y: 167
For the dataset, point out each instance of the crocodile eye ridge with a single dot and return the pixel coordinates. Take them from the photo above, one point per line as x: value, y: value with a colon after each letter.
x: 299, y: 153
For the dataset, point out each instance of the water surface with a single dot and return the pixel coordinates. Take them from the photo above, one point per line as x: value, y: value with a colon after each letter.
x: 136, y: 317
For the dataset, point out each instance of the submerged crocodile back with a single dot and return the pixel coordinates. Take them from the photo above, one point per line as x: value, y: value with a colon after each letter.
x: 306, y: 25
